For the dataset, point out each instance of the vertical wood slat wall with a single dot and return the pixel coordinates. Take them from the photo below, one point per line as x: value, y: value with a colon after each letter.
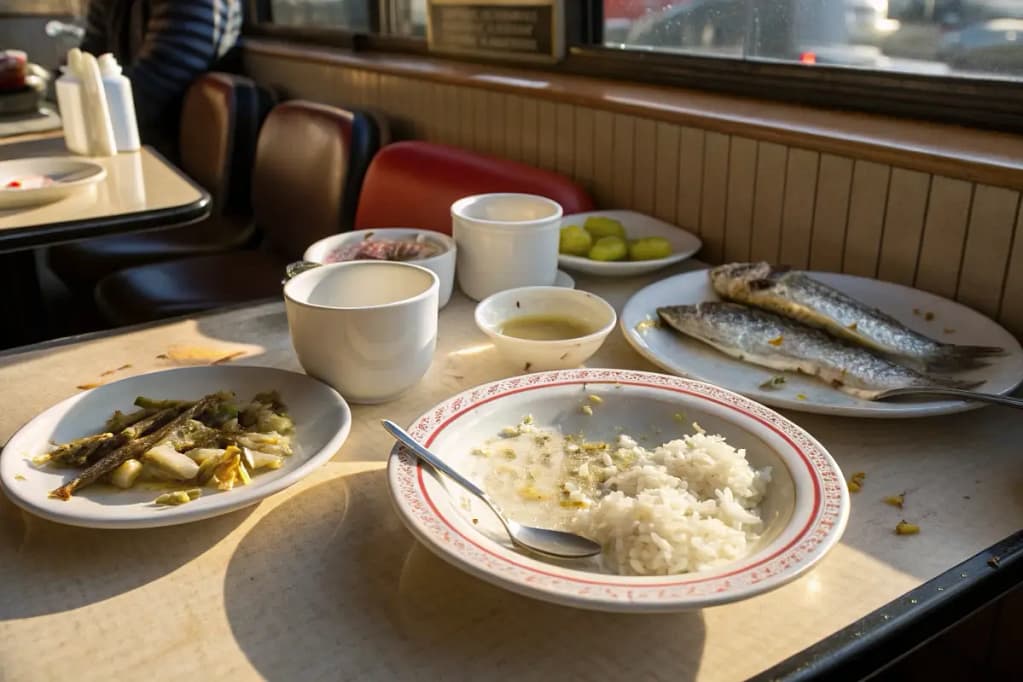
x: 746, y: 198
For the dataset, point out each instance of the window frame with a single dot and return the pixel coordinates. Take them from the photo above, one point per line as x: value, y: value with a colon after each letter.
x: 986, y: 103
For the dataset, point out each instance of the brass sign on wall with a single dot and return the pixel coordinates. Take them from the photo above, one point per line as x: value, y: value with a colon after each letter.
x: 525, y: 30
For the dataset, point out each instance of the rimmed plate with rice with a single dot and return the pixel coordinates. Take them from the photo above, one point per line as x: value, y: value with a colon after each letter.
x: 697, y: 495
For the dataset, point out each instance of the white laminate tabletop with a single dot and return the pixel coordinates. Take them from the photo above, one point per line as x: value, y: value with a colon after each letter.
x: 141, y: 191
x: 322, y: 581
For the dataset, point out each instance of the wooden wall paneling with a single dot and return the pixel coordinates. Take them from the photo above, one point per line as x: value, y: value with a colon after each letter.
x: 481, y: 125
x: 690, y: 178
x: 513, y: 127
x: 530, y: 134
x: 903, y: 225
x: 988, y: 240
x: 830, y: 213
x: 644, y: 166
x: 353, y: 92
x: 865, y: 226
x: 546, y: 134
x: 715, y: 196
x: 768, y: 201
x: 564, y: 136
x: 393, y: 103
x: 371, y: 89
x: 623, y: 160
x: 431, y: 114
x: 941, y: 247
x: 742, y: 178
x: 496, y: 122
x: 466, y: 117
x: 585, y: 146
x: 797, y: 209
x: 1011, y: 310
x: 447, y: 109
x: 603, y: 158
x: 666, y: 178
x: 418, y: 111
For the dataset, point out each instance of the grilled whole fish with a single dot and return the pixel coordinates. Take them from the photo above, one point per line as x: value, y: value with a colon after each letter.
x: 795, y: 295
x: 766, y: 339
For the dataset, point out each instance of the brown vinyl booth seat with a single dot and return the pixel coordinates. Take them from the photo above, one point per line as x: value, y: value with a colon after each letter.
x: 310, y: 163
x: 220, y: 122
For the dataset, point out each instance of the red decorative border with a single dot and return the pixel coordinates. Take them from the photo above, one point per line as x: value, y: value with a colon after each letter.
x: 823, y: 523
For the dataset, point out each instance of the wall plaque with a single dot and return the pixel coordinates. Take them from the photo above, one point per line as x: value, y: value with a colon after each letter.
x: 525, y: 30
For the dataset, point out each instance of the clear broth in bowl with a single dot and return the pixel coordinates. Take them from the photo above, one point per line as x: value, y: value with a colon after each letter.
x: 546, y: 327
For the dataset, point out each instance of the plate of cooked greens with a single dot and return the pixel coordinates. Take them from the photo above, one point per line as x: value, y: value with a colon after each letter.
x: 820, y: 342
x: 174, y: 446
x: 622, y: 243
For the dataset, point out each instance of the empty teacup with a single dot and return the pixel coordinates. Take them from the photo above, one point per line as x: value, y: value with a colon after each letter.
x: 505, y: 241
x: 367, y: 328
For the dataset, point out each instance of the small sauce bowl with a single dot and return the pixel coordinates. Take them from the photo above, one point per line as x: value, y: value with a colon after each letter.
x: 595, y: 314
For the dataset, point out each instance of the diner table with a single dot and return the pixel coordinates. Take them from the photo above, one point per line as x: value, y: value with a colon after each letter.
x: 141, y: 191
x: 322, y: 580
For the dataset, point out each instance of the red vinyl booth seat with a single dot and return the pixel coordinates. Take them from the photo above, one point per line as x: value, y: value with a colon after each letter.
x: 414, y: 183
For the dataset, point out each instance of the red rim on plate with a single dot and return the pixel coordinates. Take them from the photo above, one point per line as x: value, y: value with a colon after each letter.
x: 436, y: 522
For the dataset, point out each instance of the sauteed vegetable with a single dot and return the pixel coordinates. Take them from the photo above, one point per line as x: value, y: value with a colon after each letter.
x: 217, y: 442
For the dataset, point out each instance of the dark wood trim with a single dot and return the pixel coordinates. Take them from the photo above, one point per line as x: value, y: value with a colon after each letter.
x: 971, y: 154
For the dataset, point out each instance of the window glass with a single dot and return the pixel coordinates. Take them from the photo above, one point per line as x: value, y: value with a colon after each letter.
x: 348, y: 14
x: 408, y: 18
x: 978, y: 38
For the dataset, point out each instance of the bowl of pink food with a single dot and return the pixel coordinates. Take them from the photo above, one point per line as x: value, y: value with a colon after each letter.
x: 429, y: 249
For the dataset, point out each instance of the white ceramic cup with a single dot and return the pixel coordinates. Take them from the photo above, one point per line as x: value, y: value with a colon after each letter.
x: 505, y: 241
x: 367, y: 328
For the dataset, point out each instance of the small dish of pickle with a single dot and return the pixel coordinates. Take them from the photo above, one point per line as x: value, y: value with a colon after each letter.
x: 621, y: 243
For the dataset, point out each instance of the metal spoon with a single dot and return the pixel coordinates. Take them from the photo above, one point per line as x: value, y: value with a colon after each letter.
x: 554, y: 543
x: 297, y: 268
x: 942, y: 392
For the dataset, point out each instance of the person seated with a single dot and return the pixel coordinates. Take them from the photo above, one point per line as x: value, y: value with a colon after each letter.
x: 163, y: 46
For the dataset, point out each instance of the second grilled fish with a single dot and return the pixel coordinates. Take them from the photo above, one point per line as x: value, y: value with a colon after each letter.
x: 765, y: 339
x: 795, y: 295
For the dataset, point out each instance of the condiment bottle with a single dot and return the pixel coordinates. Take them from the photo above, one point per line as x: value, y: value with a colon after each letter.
x: 69, y: 101
x: 94, y: 106
x: 120, y: 103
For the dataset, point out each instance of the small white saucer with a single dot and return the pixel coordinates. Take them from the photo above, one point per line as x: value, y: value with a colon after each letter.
x: 564, y: 280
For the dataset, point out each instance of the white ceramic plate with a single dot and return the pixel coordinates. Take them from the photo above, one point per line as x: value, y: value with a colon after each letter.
x: 689, y: 357
x: 79, y: 176
x: 805, y: 508
x: 322, y: 421
x: 683, y: 244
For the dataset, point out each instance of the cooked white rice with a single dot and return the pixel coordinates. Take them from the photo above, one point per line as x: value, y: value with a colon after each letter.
x: 688, y: 505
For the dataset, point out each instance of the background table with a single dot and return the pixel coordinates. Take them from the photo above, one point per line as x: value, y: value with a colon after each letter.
x: 322, y: 581
x: 142, y: 191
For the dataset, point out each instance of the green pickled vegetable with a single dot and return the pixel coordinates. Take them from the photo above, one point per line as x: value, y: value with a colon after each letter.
x: 649, y: 248
x: 574, y: 241
x: 609, y: 249
x: 600, y: 227
x: 178, y: 497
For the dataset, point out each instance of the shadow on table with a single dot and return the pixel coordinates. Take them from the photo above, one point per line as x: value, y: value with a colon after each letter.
x: 48, y: 568
x: 331, y: 585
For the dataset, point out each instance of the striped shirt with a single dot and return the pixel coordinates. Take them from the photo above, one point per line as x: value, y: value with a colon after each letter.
x: 163, y: 46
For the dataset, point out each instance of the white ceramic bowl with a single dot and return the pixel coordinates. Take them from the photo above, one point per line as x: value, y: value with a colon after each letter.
x: 805, y: 507
x: 533, y: 356
x: 443, y: 264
